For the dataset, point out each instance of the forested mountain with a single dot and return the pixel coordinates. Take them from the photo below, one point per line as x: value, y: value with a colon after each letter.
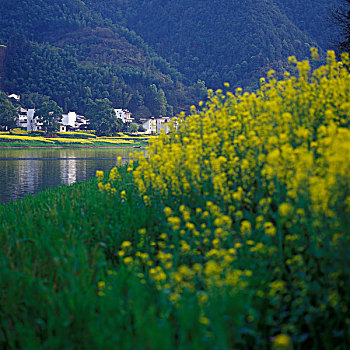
x: 227, y: 40
x: 65, y: 51
x: 152, y: 56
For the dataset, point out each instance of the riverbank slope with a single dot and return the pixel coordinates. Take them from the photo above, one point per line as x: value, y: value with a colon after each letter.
x: 71, y: 140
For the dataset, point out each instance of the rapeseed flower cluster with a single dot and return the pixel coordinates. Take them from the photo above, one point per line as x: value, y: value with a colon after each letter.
x: 25, y: 138
x: 74, y: 138
x: 253, y: 192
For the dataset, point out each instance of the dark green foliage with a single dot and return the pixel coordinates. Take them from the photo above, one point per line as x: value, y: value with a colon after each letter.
x: 59, y: 245
x: 141, y: 128
x: 314, y: 18
x: 49, y: 115
x: 85, y: 50
x: 103, y: 118
x: 8, y: 113
x: 133, y: 127
x: 74, y: 55
x: 234, y: 41
x: 341, y: 15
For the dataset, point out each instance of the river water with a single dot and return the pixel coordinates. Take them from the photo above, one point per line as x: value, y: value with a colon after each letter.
x: 25, y: 171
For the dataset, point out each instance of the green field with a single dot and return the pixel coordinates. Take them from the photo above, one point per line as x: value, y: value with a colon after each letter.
x: 20, y: 138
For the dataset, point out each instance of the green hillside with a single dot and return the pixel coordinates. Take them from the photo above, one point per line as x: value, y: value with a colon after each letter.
x: 313, y: 17
x: 68, y: 52
x: 153, y: 57
x: 235, y: 41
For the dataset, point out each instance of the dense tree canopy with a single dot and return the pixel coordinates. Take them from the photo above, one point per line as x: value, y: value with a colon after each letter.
x: 154, y: 57
x: 8, y: 113
x: 103, y: 118
x: 342, y: 18
x: 69, y: 53
x: 133, y: 127
x: 227, y: 40
x: 49, y: 115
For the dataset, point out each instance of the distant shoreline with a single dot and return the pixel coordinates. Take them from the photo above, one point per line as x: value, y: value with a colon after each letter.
x: 72, y: 140
x: 76, y: 147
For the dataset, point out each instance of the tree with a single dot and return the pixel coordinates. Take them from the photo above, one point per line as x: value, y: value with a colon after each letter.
x: 133, y: 127
x: 102, y: 117
x: 8, y: 113
x: 50, y: 115
x: 32, y: 100
x: 141, y: 128
x: 342, y: 18
x: 156, y: 100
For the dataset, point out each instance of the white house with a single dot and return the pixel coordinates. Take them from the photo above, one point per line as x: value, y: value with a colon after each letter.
x: 163, y: 124
x: 150, y: 126
x: 72, y: 121
x: 124, y: 115
x: 22, y: 117
x: 81, y: 122
x: 32, y: 123
x: 15, y: 97
x: 157, y: 125
x: 27, y: 120
x: 68, y: 121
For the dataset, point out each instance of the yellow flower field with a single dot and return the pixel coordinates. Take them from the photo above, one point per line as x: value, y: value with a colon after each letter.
x: 73, y: 138
x: 252, y: 190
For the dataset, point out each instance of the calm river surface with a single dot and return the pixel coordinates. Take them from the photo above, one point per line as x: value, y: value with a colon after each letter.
x: 24, y: 171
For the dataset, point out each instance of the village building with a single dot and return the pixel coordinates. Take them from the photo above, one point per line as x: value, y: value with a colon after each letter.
x: 69, y: 122
x: 27, y: 119
x: 124, y: 115
x: 22, y: 118
x: 163, y: 124
x: 150, y: 126
x: 157, y: 125
x: 72, y: 122
x: 32, y: 123
x: 15, y: 97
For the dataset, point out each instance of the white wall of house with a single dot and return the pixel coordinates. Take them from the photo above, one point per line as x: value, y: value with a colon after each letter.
x: 31, y: 122
x: 150, y: 126
x: 69, y: 119
x: 14, y: 96
x: 120, y: 114
x: 163, y: 124
x: 124, y: 115
x: 22, y: 117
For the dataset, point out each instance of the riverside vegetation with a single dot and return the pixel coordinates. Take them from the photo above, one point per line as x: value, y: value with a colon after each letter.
x: 21, y: 138
x: 232, y: 234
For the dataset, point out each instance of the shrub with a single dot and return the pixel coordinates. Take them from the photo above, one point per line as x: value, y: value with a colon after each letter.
x: 253, y: 194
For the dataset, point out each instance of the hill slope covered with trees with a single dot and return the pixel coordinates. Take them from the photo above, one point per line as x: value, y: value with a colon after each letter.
x: 235, y: 41
x: 153, y: 57
x: 65, y: 51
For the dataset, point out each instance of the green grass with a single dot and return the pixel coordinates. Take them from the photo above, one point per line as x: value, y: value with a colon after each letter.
x: 60, y: 245
x: 57, y: 247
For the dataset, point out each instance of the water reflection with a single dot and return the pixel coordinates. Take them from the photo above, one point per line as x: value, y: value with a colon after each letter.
x: 68, y: 171
x: 25, y: 171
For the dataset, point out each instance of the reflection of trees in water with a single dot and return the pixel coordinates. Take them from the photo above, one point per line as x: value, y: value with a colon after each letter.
x: 31, y: 170
x: 50, y: 174
x: 28, y: 175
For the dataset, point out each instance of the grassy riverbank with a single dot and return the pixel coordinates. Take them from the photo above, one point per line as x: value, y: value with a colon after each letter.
x: 19, y: 138
x: 233, y: 234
